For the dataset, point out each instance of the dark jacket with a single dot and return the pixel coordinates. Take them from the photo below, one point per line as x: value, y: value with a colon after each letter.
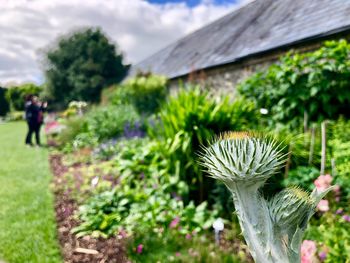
x: 32, y: 113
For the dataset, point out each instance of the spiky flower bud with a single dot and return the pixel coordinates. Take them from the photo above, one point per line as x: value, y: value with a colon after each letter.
x: 291, y: 206
x: 242, y: 156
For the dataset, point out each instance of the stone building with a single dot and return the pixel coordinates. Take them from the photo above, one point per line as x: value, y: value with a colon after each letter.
x: 250, y: 38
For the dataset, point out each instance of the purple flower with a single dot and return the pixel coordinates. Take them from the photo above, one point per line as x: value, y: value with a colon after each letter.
x: 346, y: 218
x: 175, y: 196
x: 142, y: 176
x: 340, y: 211
x: 322, y: 255
x: 133, y: 130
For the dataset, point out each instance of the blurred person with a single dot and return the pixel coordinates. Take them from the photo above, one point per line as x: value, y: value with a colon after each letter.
x: 34, y: 114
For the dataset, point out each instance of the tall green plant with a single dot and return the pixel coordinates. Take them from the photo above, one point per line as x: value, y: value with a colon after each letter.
x: 189, y: 119
x: 273, y: 229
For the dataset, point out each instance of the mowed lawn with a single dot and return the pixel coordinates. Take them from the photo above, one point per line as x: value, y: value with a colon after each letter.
x: 27, y: 224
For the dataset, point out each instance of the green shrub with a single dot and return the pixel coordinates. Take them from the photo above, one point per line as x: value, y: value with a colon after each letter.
x: 146, y: 196
x: 303, y: 176
x: 74, y: 126
x: 15, y: 116
x: 108, y: 122
x: 120, y: 96
x: 316, y: 83
x: 189, y: 120
x: 147, y: 92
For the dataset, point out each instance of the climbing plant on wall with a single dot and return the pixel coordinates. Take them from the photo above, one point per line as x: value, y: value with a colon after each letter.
x: 314, y: 84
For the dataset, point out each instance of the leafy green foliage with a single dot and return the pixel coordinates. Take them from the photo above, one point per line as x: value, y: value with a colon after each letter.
x: 119, y: 95
x: 146, y: 196
x: 16, y: 95
x: 303, y: 176
x: 100, y: 124
x: 108, y: 122
x: 333, y: 234
x: 15, y: 116
x: 4, y: 105
x: 316, y: 83
x: 175, y: 248
x: 80, y: 65
x: 190, y: 119
x: 340, y: 146
x: 147, y: 92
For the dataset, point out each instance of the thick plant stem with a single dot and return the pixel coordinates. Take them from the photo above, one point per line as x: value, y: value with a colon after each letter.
x: 324, y: 145
x: 256, y: 224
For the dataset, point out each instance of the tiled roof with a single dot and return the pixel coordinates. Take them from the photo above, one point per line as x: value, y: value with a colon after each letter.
x: 259, y: 26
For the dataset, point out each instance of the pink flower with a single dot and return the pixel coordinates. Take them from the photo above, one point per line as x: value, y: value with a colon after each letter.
x: 188, y: 236
x: 123, y: 233
x: 175, y: 222
x: 336, y: 189
x: 308, y: 251
x: 323, y: 182
x: 177, y: 254
x: 323, y: 206
x: 139, y: 249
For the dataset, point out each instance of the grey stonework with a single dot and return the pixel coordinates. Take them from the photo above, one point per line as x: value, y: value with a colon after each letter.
x: 224, y: 79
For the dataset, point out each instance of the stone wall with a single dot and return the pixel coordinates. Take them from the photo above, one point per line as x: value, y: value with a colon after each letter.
x: 223, y: 79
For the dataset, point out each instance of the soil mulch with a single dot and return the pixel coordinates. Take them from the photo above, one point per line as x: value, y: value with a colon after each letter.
x: 82, y: 249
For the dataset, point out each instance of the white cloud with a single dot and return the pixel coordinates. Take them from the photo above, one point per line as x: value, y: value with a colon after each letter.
x: 139, y: 27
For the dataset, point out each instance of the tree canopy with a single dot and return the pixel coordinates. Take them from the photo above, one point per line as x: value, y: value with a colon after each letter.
x: 16, y: 95
x: 4, y: 106
x: 80, y: 65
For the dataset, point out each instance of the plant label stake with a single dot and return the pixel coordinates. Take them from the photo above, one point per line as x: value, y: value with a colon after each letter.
x: 218, y: 226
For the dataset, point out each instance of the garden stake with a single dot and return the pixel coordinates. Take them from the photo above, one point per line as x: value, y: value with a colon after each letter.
x: 273, y: 229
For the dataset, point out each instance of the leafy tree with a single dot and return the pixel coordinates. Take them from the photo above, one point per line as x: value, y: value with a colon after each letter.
x: 316, y: 83
x: 4, y: 106
x: 80, y: 65
x: 16, y: 95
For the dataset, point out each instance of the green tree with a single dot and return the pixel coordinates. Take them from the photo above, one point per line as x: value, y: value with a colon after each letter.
x: 16, y: 95
x: 4, y: 106
x: 80, y: 65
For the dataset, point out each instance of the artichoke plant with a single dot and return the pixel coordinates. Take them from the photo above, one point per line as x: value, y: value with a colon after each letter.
x: 274, y: 228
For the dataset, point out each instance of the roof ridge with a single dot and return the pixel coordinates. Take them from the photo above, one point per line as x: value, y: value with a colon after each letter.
x: 239, y: 7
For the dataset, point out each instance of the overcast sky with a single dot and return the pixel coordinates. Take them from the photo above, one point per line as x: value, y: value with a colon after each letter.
x: 139, y: 27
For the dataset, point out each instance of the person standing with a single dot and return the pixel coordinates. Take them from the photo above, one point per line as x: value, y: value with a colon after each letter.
x: 34, y: 117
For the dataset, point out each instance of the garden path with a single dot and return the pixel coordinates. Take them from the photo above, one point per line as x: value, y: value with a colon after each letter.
x: 27, y: 224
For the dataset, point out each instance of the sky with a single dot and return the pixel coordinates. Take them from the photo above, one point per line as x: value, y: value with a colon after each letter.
x: 139, y: 27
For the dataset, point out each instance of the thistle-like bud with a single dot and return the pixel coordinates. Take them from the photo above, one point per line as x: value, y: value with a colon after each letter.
x: 291, y: 207
x: 242, y: 156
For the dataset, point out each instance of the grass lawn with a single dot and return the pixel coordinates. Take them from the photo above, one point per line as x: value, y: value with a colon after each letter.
x: 27, y: 225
